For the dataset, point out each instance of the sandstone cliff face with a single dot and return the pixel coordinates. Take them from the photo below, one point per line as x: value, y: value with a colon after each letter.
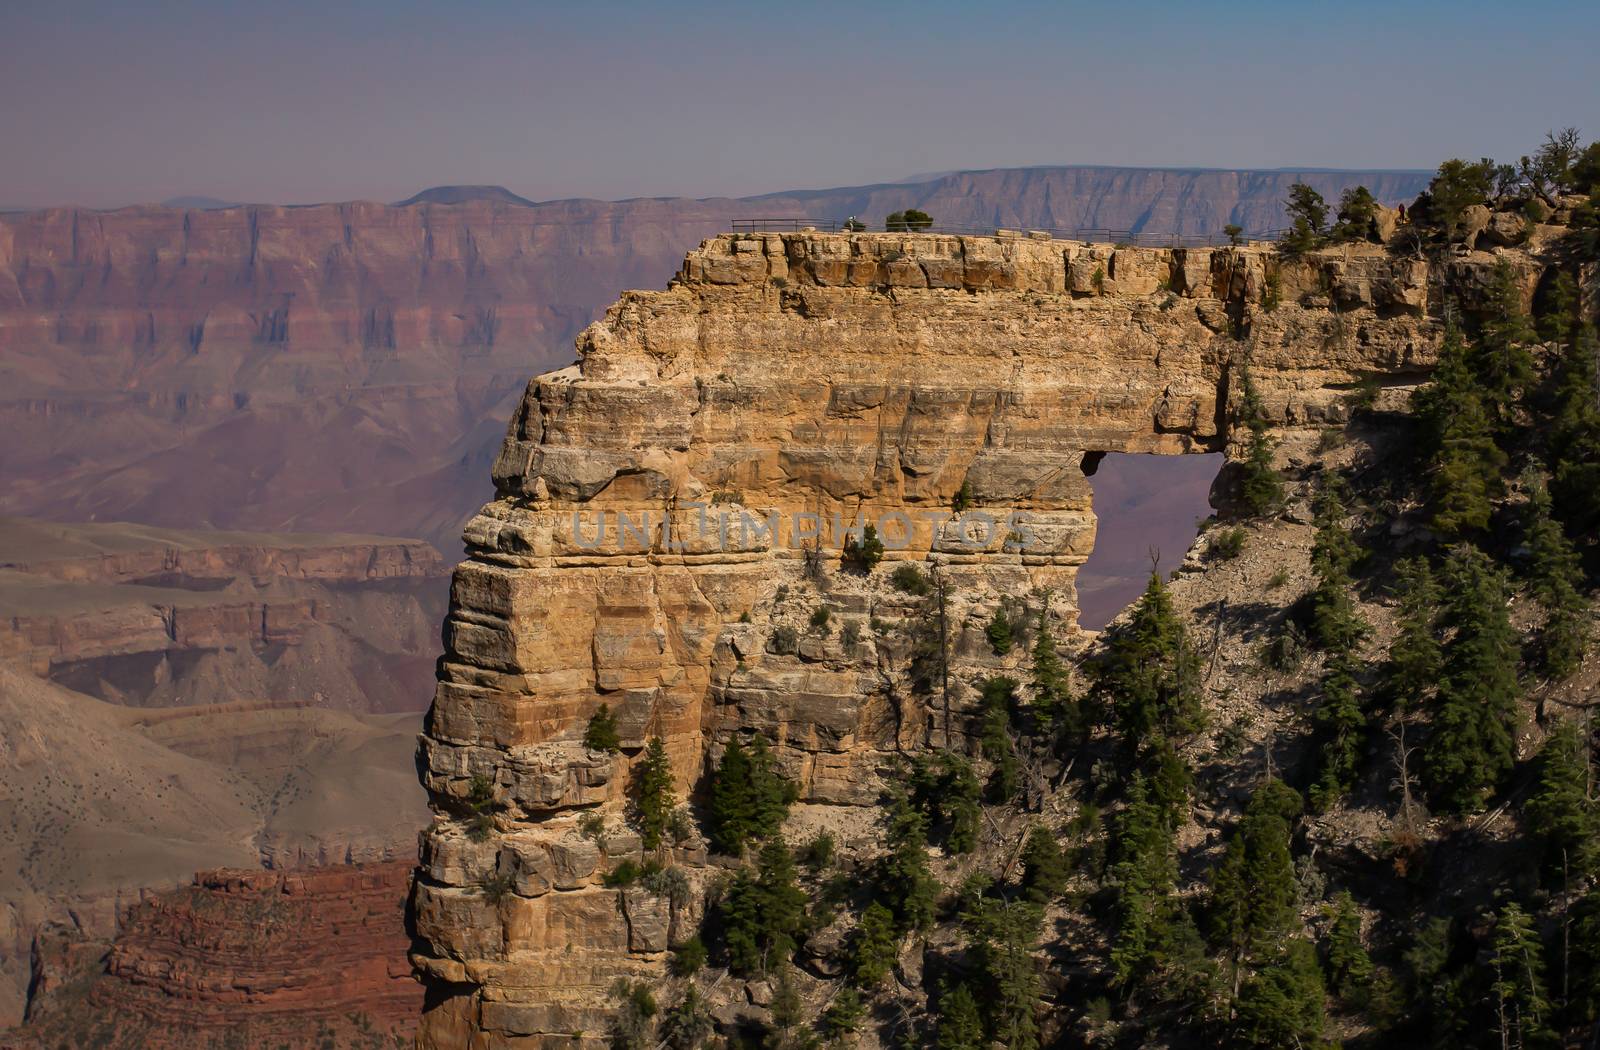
x: 349, y: 366
x: 870, y: 377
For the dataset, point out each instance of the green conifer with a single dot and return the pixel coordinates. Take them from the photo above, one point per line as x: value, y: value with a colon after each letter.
x: 749, y: 798
x: 1148, y: 675
x: 1349, y: 965
x: 655, y: 800
x: 1554, y: 572
x: 960, y: 1025
x: 998, y: 631
x: 1473, y: 739
x: 601, y: 732
x: 1002, y: 936
x: 1415, y: 657
x: 1144, y: 869
x: 1466, y: 462
x: 905, y: 882
x: 843, y: 1014
x: 1561, y: 813
x: 1335, y: 624
x: 994, y: 737
x: 1340, y: 723
x: 1253, y: 890
x: 1044, y: 868
x: 1575, y: 435
x: 1052, y: 690
x: 1517, y: 962
x: 875, y: 946
x: 764, y: 912
x: 947, y: 790
x: 1281, y: 1005
x: 1260, y: 485
x: 1501, y: 359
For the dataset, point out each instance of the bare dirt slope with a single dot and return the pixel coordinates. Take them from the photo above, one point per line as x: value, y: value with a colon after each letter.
x: 98, y: 802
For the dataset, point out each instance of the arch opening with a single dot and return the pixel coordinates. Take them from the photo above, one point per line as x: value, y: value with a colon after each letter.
x: 1144, y: 503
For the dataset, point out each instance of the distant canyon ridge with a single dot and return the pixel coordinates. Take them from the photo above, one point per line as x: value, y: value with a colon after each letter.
x: 352, y: 366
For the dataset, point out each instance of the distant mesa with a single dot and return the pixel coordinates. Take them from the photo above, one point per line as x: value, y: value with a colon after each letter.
x: 195, y: 203
x: 462, y: 194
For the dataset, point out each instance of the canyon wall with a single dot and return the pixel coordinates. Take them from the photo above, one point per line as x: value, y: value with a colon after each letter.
x: 349, y: 366
x: 670, y: 510
x: 148, y: 617
x: 237, y: 958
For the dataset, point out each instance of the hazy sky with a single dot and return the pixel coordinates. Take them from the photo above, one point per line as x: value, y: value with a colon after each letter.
x: 116, y: 102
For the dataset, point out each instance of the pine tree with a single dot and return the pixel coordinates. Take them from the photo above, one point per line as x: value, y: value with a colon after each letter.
x: 1466, y: 462
x: 1253, y: 889
x: 764, y: 912
x: 1575, y: 436
x: 749, y: 799
x: 772, y: 793
x: 1260, y: 485
x: 1415, y: 657
x: 655, y: 800
x: 1148, y: 676
x: 1052, y: 691
x: 1349, y: 965
x: 905, y: 882
x: 998, y: 631
x: 1144, y: 869
x: 788, y: 1009
x: 730, y: 810
x: 1584, y: 979
x: 1281, y: 1005
x: 960, y: 1025
x: 1561, y: 812
x: 601, y: 732
x: 945, y: 788
x: 1044, y: 868
x: 1522, y: 1007
x: 1340, y: 724
x: 844, y: 1013
x: 1335, y: 624
x: 875, y: 946
x: 1002, y: 936
x: 1501, y: 359
x: 689, y: 1025
x: 1308, y: 219
x: 1553, y: 570
x: 1473, y: 740
x: 994, y: 737
x: 1358, y: 211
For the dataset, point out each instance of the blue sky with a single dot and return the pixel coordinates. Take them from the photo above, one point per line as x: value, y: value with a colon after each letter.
x: 110, y: 103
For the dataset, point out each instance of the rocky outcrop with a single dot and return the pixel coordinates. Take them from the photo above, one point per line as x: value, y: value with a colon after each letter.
x: 670, y: 512
x: 350, y: 366
x: 297, y: 960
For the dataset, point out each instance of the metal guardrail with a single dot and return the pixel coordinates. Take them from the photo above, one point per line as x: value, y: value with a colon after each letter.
x: 1134, y: 238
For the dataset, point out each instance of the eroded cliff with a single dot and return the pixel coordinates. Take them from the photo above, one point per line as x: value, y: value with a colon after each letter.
x: 670, y: 511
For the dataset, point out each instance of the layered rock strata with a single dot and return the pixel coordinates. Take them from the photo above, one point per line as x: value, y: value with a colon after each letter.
x: 148, y: 616
x: 670, y: 509
x: 284, y: 959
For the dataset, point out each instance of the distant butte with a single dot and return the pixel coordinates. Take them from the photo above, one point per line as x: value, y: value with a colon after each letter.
x: 462, y: 194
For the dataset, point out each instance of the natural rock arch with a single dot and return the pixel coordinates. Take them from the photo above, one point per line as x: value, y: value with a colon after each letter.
x: 810, y: 374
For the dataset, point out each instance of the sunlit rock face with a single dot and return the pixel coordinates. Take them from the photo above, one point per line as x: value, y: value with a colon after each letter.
x: 655, y: 503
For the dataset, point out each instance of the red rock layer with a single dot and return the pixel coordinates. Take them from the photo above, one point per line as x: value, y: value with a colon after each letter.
x: 242, y: 958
